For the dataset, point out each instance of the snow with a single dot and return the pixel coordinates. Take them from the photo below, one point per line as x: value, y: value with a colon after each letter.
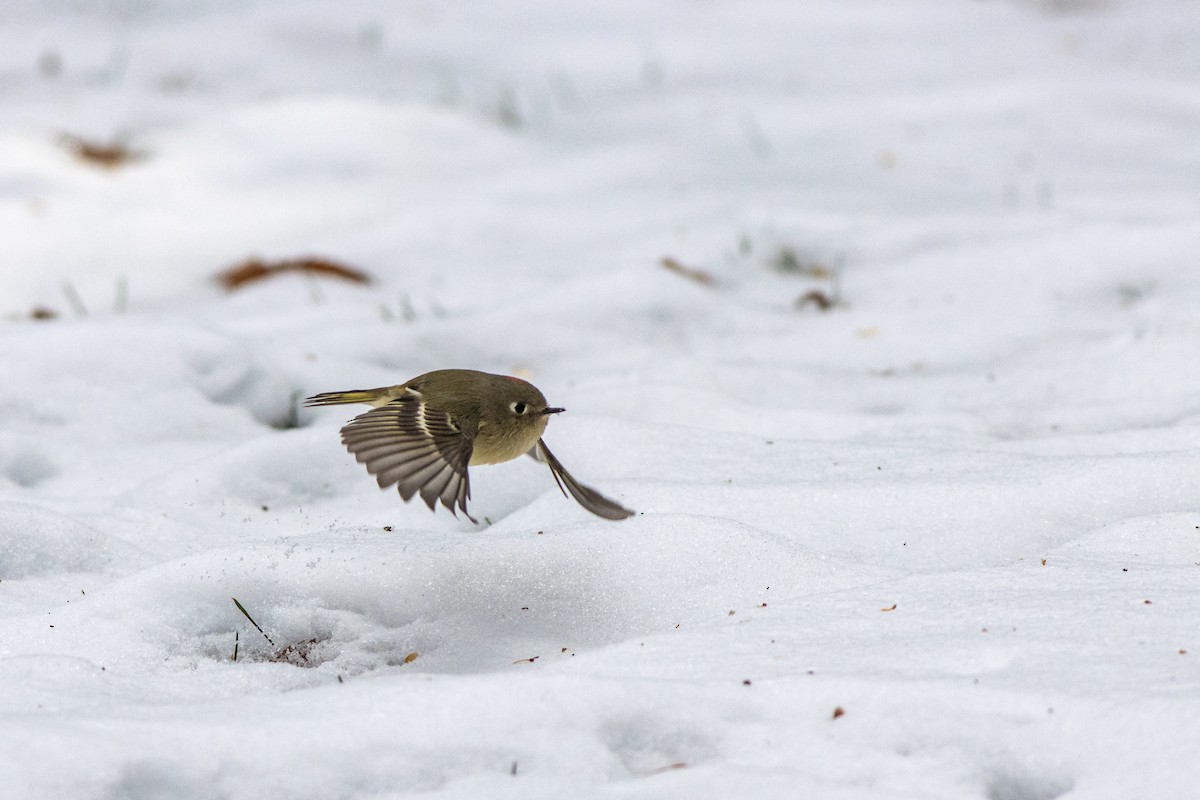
x: 959, y: 506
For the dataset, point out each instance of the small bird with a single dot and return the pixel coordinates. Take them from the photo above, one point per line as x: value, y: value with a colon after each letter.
x: 423, y: 434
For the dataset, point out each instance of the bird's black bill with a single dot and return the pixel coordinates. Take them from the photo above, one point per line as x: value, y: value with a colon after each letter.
x: 587, y: 497
x: 553, y: 411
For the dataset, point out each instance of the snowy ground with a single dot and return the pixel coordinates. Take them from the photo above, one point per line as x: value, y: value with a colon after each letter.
x: 941, y: 540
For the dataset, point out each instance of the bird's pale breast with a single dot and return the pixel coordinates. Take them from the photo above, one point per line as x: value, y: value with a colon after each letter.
x: 492, y: 446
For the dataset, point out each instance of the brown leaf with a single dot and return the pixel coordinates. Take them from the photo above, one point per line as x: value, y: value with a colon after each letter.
x: 246, y: 272
x: 321, y: 266
x: 838, y: 711
x: 668, y: 768
x: 822, y: 301
x: 252, y: 270
x: 691, y: 273
x: 107, y: 155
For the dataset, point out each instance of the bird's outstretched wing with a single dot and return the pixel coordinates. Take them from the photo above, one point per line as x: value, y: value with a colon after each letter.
x: 587, y: 497
x: 418, y: 449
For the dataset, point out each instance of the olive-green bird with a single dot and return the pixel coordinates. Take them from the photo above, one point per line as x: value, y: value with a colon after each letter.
x: 423, y: 434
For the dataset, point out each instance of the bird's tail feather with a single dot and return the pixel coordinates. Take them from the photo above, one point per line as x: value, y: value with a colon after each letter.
x: 371, y: 396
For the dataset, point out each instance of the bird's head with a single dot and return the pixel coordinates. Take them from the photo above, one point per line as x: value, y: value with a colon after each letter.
x: 523, y: 402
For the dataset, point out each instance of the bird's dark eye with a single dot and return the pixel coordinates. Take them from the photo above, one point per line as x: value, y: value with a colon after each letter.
x: 518, y: 407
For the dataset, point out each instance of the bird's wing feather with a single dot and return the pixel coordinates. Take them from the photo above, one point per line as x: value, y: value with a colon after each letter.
x: 587, y: 497
x: 416, y: 448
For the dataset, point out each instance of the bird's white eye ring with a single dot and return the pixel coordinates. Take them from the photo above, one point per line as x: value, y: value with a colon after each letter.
x: 517, y: 407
